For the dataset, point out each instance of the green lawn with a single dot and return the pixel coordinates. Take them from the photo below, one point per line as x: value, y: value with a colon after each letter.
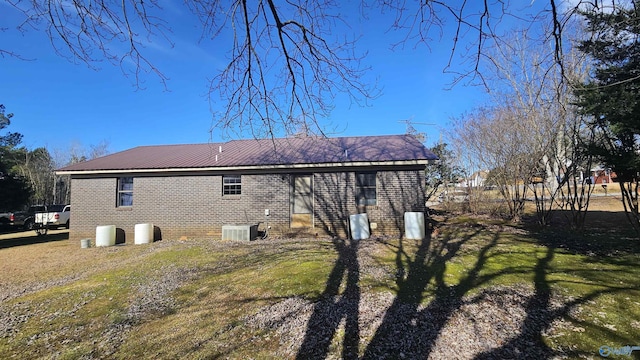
x: 544, y: 293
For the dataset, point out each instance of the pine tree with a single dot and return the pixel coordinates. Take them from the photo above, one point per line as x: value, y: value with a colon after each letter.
x: 612, y: 96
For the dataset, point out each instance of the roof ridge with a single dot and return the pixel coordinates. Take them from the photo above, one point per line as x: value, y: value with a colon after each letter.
x: 184, y: 144
x: 263, y: 152
x: 320, y: 137
x: 274, y: 139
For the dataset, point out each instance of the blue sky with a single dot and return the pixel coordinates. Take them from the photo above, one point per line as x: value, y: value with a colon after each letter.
x: 57, y: 103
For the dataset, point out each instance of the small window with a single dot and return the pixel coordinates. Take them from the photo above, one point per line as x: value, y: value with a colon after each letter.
x: 125, y: 191
x: 55, y: 208
x: 231, y: 185
x: 366, y: 189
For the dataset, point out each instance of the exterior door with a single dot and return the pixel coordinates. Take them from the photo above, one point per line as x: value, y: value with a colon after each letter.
x: 302, y: 201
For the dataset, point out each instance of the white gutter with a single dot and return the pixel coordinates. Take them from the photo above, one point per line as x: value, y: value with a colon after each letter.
x: 248, y: 167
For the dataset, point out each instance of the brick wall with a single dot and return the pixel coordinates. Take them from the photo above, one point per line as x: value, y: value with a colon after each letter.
x: 334, y: 200
x: 397, y: 192
x: 194, y: 207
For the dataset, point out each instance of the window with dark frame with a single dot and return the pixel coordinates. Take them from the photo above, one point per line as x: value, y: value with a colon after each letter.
x: 125, y: 192
x: 366, y: 189
x: 231, y: 185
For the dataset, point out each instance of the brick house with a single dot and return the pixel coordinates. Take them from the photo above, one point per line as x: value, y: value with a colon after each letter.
x: 308, y: 184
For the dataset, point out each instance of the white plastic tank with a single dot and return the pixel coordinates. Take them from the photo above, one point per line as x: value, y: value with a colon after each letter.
x: 359, y: 224
x: 414, y: 225
x: 106, y: 235
x: 143, y: 233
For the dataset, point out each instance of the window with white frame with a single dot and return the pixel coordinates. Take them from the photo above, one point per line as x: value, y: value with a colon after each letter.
x: 125, y: 192
x: 231, y: 185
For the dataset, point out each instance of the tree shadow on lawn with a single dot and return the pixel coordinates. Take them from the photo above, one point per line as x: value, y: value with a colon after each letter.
x: 332, y: 307
x: 602, y: 238
x: 606, y: 233
x: 541, y: 313
x: 398, y: 332
x: 410, y: 328
x: 31, y: 240
x: 335, y: 306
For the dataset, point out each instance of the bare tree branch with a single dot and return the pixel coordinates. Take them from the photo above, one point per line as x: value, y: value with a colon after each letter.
x: 284, y: 74
x: 287, y: 60
x: 97, y: 30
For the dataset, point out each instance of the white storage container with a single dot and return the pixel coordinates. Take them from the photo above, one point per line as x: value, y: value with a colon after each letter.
x: 106, y: 235
x: 143, y: 233
x: 359, y: 224
x: 414, y: 225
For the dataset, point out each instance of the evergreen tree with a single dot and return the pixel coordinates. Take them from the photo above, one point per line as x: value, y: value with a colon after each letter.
x: 612, y: 96
x: 14, y: 189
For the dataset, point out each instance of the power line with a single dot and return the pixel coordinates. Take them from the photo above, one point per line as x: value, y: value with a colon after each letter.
x: 411, y: 130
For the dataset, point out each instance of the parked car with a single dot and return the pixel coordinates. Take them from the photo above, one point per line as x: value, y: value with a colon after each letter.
x: 18, y: 219
x: 28, y: 218
x: 7, y: 219
x: 53, y: 216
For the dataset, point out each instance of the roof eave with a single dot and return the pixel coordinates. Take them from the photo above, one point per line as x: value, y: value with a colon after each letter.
x: 250, y: 167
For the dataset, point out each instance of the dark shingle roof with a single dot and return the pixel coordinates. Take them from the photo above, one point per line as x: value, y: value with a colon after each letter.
x: 257, y: 153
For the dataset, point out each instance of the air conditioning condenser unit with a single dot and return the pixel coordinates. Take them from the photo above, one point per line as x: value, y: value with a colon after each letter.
x: 239, y: 232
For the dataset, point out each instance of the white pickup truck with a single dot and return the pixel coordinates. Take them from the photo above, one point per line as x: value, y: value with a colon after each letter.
x: 55, y: 216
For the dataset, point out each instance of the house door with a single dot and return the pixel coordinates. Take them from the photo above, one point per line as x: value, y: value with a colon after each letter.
x: 302, y: 201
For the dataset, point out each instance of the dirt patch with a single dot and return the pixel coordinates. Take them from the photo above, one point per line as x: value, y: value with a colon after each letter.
x: 489, y: 323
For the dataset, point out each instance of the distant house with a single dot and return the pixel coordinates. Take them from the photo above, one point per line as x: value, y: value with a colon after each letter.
x: 602, y: 176
x: 309, y: 184
x: 477, y: 179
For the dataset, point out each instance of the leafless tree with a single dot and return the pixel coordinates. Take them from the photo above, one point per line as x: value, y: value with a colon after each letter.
x: 74, y: 153
x: 575, y: 162
x: 531, y: 136
x: 513, y: 134
x: 287, y: 60
x: 499, y: 140
x: 569, y: 160
x: 286, y: 66
x: 37, y: 167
